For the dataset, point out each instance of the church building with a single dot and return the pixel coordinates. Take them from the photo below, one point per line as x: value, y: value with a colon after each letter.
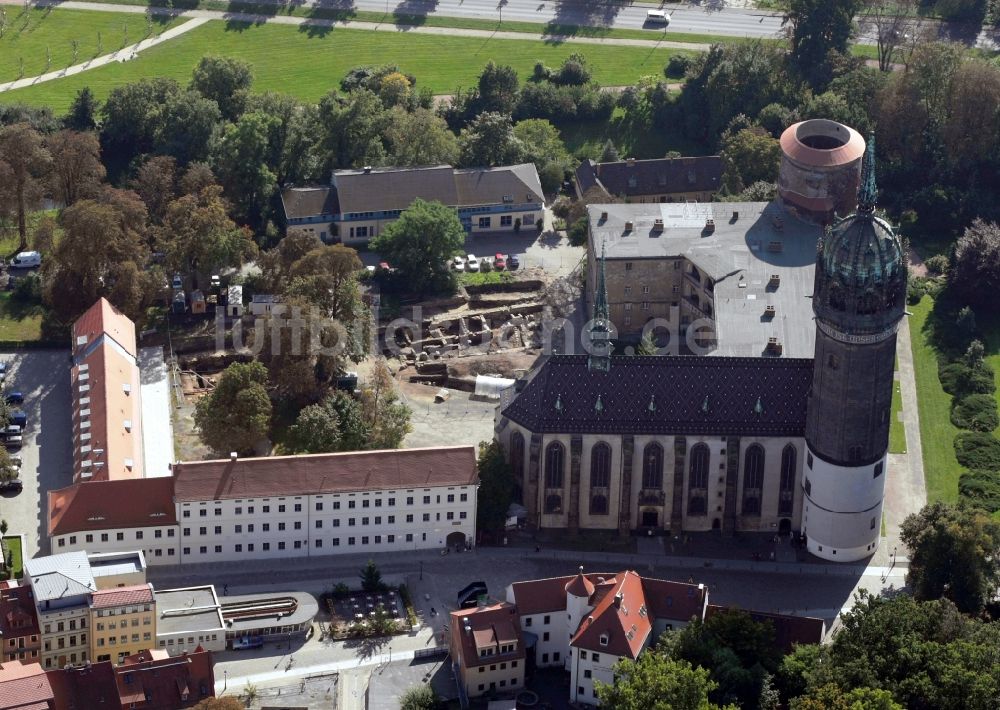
x: 748, y: 437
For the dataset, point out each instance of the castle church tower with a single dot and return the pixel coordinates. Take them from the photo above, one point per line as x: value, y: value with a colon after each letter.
x: 858, y: 301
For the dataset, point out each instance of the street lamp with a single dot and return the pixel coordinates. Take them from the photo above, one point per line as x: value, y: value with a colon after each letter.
x: 225, y: 680
x: 421, y: 570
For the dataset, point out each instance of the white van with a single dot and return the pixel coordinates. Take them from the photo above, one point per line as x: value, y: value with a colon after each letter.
x: 657, y: 17
x: 26, y: 260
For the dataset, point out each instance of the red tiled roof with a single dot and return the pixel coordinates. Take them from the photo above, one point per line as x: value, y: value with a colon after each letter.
x: 25, y: 686
x: 488, y: 627
x: 122, y: 596
x: 324, y: 473
x: 621, y: 619
x: 90, y: 686
x: 580, y: 586
x: 100, y: 319
x: 674, y: 600
x: 853, y: 148
x: 103, y: 505
x: 17, y: 614
x: 541, y: 596
x: 788, y: 630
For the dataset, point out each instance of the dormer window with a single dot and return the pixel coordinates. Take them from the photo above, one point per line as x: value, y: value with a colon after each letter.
x: 604, y: 639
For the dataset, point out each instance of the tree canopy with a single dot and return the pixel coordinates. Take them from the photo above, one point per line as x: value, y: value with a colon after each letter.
x: 496, y: 487
x: 236, y: 415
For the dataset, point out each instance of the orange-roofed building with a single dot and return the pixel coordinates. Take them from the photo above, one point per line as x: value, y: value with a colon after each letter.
x: 107, y: 428
x: 488, y: 648
x: 586, y: 623
x: 19, y: 631
x: 25, y: 686
x: 122, y: 622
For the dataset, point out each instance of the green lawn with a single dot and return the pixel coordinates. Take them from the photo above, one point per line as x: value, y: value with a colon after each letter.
x: 937, y: 433
x: 13, y: 544
x: 897, y: 432
x: 587, y: 138
x: 309, y: 61
x: 28, y: 34
x: 482, y: 278
x: 17, y: 321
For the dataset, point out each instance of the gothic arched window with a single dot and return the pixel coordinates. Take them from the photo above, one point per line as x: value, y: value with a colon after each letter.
x: 553, y: 504
x: 786, y: 489
x: 698, y: 480
x: 600, y: 466
x: 753, y: 479
x: 517, y: 455
x: 868, y: 303
x: 554, y: 456
x: 652, y: 466
x: 598, y: 505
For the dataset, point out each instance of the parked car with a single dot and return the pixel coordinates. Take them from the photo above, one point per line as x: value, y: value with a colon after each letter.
x: 12, y: 436
x: 3, y: 371
x: 247, y: 642
x: 178, y: 282
x: 27, y: 260
x: 216, y: 281
x: 471, y: 263
x: 19, y: 418
x: 500, y: 261
x: 513, y: 262
x: 13, y: 485
x: 14, y: 397
x: 657, y: 17
x: 458, y: 263
x: 385, y: 266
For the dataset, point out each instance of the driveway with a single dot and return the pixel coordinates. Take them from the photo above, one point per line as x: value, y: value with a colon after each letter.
x: 43, y: 377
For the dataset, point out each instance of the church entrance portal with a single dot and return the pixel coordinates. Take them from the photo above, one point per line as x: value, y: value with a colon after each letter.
x: 650, y: 518
x: 785, y: 527
x: 455, y: 539
x: 716, y: 524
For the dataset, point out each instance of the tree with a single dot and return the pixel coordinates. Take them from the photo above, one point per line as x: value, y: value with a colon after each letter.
x: 817, y: 28
x: 186, y: 125
x: 420, y: 243
x: 131, y: 118
x: 199, y: 238
x: 496, y: 487
x: 224, y: 80
x: 831, y: 697
x: 394, y: 89
x: 498, y: 88
x: 101, y: 253
x: 750, y: 155
x: 3, y: 525
x: 371, y: 578
x: 387, y: 419
x: 544, y: 146
x: 895, y: 25
x: 156, y: 183
x: 24, y: 163
x: 236, y: 415
x: 275, y: 264
x: 241, y: 160
x: 420, y: 138
x: 954, y: 554
x: 326, y: 277
x: 352, y: 130
x: 82, y: 115
x: 489, y: 140
x: 420, y: 697
x: 77, y: 170
x: 656, y: 682
x: 316, y: 429
x: 975, y: 265
x: 609, y: 153
x: 646, y: 346
x: 7, y: 472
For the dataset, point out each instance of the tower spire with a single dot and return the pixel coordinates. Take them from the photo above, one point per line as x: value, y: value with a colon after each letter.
x: 600, y: 330
x: 867, y: 191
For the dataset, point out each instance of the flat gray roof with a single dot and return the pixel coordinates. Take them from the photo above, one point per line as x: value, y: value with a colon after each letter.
x: 306, y: 608
x: 187, y: 610
x: 115, y: 564
x: 740, y: 257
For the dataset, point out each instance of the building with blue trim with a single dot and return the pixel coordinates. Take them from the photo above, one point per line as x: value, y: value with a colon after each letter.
x: 358, y: 204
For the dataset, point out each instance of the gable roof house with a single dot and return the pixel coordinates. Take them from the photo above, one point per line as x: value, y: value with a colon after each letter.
x: 658, y: 180
x: 487, y: 648
x: 358, y: 204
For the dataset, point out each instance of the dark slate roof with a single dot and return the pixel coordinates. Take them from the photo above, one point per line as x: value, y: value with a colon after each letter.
x: 678, y: 387
x: 302, y: 202
x: 659, y: 176
x: 489, y: 186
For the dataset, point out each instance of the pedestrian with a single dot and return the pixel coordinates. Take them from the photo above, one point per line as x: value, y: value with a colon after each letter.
x: 538, y: 548
x: 225, y: 590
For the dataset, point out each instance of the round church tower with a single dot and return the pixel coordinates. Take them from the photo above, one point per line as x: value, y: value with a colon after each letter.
x: 858, y: 300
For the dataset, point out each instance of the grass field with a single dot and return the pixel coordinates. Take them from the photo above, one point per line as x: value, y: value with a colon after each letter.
x: 309, y: 61
x: 937, y: 433
x: 897, y: 432
x: 13, y: 544
x: 17, y: 321
x: 28, y: 34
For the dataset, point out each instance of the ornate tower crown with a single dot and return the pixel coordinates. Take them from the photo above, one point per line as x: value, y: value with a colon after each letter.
x: 600, y: 328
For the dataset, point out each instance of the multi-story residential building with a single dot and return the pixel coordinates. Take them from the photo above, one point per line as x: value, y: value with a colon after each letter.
x: 587, y: 623
x: 122, y: 622
x: 283, y: 506
x: 19, y: 633
x: 358, y: 204
x: 487, y: 648
x: 658, y: 180
x: 107, y: 429
x: 61, y: 586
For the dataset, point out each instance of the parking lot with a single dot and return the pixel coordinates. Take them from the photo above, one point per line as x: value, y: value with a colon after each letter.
x: 43, y: 377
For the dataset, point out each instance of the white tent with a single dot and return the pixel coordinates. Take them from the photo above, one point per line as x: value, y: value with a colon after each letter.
x: 490, y: 386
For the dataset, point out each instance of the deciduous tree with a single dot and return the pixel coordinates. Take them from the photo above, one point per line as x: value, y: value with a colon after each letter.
x: 975, y: 267
x: 489, y: 140
x: 224, y: 80
x: 895, y: 25
x: 819, y: 27
x: 236, y: 416
x: 316, y: 429
x: 420, y: 243
x: 82, y: 115
x: 954, y: 553
x: 242, y: 160
x: 24, y: 164
x: 421, y: 138
x: 156, y: 183
x: 371, y: 578
x: 496, y: 487
x: 386, y: 418
x: 420, y: 697
x: 750, y: 155
x: 498, y: 88
x: 77, y: 170
x: 832, y: 697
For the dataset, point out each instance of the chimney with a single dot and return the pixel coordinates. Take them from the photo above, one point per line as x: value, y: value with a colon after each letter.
x: 233, y: 456
x: 604, y: 216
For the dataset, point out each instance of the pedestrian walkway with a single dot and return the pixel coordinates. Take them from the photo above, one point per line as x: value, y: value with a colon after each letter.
x: 122, y: 55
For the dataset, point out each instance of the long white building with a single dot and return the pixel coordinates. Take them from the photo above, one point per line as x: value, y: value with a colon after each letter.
x: 276, y: 507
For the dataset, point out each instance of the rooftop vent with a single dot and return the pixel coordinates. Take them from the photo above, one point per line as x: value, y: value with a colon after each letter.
x: 604, y: 216
x: 629, y: 226
x: 657, y: 225
x: 769, y: 312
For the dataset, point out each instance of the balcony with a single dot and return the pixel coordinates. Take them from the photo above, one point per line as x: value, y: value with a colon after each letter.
x: 693, y: 278
x: 693, y: 304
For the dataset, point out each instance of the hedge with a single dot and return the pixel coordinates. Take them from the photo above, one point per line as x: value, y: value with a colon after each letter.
x: 960, y: 380
x: 977, y: 412
x: 977, y: 450
x: 980, y: 488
